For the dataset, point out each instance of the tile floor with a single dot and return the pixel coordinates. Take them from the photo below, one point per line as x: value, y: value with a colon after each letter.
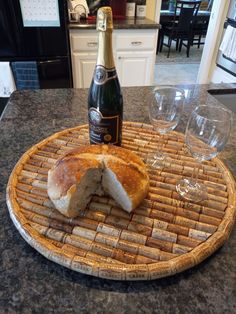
x: 177, y: 69
x: 178, y: 73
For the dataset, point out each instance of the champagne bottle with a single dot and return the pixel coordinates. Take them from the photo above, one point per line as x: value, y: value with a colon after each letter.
x: 105, y: 101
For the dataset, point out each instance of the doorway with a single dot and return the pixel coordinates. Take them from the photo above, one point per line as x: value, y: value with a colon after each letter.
x: 178, y: 68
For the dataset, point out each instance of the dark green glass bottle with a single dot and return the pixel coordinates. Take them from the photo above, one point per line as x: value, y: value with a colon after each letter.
x: 105, y: 101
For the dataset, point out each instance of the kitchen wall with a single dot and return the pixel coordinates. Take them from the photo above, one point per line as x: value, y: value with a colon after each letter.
x: 151, y: 9
x: 212, y: 41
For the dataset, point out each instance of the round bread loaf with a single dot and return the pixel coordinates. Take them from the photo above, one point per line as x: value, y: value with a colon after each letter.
x: 97, y: 169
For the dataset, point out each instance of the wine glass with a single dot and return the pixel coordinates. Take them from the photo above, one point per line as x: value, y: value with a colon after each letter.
x: 165, y: 110
x: 206, y: 134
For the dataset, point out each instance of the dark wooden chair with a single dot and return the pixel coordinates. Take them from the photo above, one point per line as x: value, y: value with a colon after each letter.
x: 181, y: 28
x: 199, y: 31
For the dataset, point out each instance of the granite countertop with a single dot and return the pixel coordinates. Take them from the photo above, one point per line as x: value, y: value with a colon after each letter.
x: 30, y: 283
x: 118, y: 24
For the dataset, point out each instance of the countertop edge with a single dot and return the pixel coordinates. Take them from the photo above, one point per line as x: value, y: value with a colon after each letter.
x: 118, y: 24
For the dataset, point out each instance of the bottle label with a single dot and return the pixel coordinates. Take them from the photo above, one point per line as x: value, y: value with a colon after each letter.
x: 103, y: 129
x: 102, y: 74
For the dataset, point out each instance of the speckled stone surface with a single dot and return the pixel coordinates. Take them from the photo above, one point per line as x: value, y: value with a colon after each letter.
x: 118, y: 24
x: 29, y: 283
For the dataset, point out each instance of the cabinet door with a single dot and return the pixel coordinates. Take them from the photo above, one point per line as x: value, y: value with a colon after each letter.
x: 83, y: 68
x: 134, y: 68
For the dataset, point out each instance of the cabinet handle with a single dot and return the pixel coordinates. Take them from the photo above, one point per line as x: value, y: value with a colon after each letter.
x: 92, y: 44
x: 136, y: 43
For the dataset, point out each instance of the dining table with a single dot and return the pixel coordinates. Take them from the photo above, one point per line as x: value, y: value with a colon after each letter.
x: 32, y: 283
x: 167, y: 16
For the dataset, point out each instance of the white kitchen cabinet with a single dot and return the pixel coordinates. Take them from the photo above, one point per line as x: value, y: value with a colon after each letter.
x: 134, y: 68
x: 135, y: 56
x: 84, y: 46
x: 134, y: 52
x: 83, y: 66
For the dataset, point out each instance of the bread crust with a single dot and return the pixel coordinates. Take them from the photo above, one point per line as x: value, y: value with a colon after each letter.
x: 69, y: 170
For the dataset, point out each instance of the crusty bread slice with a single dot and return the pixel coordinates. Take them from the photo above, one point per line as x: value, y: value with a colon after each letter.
x: 96, y: 169
x: 72, y: 182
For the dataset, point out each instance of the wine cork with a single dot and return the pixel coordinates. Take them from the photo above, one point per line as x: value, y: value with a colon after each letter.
x: 100, y: 199
x: 42, y: 172
x: 50, y: 148
x: 74, y: 250
x: 166, y: 256
x: 140, y: 228
x: 84, y: 232
x: 107, y: 229
x: 127, y: 246
x: 151, y: 252
x: 106, y: 239
x: 160, y: 244
x: 117, y: 221
x: 191, y: 242
x: 142, y: 220
x: 185, y: 222
x: 100, y: 206
x: 199, y: 235
x: 160, y: 191
x: 55, y: 224
x: 102, y: 249
x: 133, y: 237
x: 42, y: 229
x: 29, y: 174
x: 181, y: 249
x: 143, y: 260
x: 206, y: 227
x: 36, y: 208
x: 214, y: 204
x: 142, y: 210
x: 93, y: 215
x: 178, y: 229
x: 78, y: 241
x: 157, y: 214
x: 209, y: 220
x: 100, y: 258
x: 124, y: 257
x: 47, y: 154
x: 86, y: 223
x: 160, y: 224
x: 55, y: 234
x: 117, y: 211
x: 213, y: 212
x: 164, y: 235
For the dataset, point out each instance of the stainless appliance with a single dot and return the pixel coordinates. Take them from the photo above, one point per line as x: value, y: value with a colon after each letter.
x: 223, y: 62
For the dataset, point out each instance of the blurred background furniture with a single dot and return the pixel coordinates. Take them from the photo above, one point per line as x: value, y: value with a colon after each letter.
x: 180, y: 27
x: 200, y: 30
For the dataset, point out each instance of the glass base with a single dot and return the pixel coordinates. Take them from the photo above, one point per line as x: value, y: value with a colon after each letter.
x: 156, y: 160
x: 191, y: 190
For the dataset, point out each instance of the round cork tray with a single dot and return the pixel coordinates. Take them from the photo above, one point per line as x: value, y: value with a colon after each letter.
x: 163, y: 236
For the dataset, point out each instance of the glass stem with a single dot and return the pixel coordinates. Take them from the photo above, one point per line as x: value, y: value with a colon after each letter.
x: 195, y: 173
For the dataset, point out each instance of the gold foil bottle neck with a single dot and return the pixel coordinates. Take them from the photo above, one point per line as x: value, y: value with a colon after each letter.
x: 104, y: 19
